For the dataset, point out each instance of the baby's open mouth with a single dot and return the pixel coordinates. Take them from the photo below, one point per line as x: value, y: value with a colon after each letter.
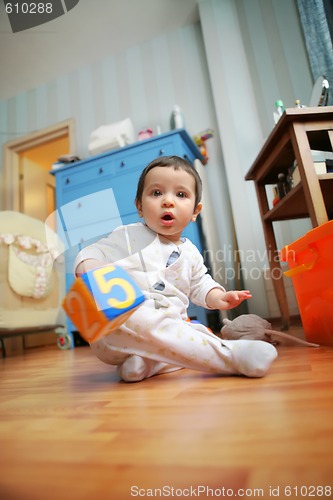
x: 167, y: 219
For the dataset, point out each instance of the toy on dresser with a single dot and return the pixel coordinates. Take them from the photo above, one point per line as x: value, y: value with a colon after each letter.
x: 101, y: 300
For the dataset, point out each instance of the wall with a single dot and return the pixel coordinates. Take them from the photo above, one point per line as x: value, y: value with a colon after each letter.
x: 255, y: 55
x: 226, y: 74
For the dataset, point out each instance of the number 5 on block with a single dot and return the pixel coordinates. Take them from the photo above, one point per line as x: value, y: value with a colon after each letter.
x: 101, y: 300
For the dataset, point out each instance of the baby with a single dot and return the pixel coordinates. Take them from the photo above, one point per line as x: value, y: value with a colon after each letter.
x: 157, y: 338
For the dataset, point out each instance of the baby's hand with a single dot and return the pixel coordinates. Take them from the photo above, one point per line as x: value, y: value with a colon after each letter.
x: 217, y: 299
x: 88, y: 265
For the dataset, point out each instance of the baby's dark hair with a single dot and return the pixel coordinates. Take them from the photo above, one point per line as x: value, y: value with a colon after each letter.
x: 177, y: 163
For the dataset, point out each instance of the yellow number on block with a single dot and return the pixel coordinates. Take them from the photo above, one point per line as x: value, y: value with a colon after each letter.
x: 106, y: 285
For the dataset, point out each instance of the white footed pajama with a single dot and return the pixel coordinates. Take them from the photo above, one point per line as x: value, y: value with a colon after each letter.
x: 157, y: 338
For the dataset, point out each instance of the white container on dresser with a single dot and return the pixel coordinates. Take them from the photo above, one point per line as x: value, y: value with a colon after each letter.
x: 96, y: 195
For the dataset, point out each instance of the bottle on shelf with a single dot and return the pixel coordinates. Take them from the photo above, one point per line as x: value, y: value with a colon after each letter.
x: 177, y: 118
x: 279, y: 110
x: 279, y: 107
x: 283, y: 186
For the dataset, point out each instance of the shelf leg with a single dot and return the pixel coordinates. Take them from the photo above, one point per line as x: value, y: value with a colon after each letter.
x: 277, y: 274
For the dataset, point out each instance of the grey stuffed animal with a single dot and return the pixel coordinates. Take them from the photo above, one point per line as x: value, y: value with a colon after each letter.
x: 252, y: 327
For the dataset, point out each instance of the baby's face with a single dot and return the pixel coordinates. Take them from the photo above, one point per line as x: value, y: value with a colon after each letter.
x: 168, y: 201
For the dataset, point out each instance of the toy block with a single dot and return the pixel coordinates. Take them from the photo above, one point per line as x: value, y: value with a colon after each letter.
x: 101, y: 300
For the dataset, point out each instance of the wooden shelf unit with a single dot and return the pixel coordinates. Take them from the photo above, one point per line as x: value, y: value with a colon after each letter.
x: 298, y: 132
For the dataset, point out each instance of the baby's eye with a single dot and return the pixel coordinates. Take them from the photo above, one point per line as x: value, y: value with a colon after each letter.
x: 181, y: 194
x: 156, y: 192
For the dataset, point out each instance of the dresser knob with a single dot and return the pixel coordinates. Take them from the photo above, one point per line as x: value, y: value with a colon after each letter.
x: 123, y: 163
x: 185, y: 156
x: 100, y: 171
x: 67, y: 181
x: 161, y: 151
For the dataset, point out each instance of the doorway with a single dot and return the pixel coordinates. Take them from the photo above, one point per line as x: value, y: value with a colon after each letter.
x: 28, y: 186
x: 36, y: 184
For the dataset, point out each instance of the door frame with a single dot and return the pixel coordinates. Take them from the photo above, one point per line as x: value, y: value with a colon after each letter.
x: 11, y: 157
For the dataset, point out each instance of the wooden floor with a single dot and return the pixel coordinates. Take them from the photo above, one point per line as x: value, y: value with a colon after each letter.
x: 70, y: 430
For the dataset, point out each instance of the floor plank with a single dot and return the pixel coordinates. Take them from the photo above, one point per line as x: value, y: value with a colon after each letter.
x: 70, y: 429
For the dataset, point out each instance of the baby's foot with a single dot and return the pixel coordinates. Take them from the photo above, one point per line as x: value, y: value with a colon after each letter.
x: 252, y: 358
x: 135, y: 368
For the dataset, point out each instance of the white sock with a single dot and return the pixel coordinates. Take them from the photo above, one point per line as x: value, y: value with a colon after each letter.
x: 252, y: 358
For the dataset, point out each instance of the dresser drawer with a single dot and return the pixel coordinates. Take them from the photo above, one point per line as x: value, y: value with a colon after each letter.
x: 90, y: 209
x: 138, y: 157
x: 89, y: 173
x: 184, y: 150
x: 90, y: 233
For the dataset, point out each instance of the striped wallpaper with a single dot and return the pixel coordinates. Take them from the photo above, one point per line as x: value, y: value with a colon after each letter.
x: 142, y: 83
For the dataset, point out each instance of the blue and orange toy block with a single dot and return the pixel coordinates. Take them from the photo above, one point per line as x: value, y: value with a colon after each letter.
x: 101, y: 300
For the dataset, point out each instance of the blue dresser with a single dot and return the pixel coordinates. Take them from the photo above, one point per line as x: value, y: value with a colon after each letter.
x: 96, y: 195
